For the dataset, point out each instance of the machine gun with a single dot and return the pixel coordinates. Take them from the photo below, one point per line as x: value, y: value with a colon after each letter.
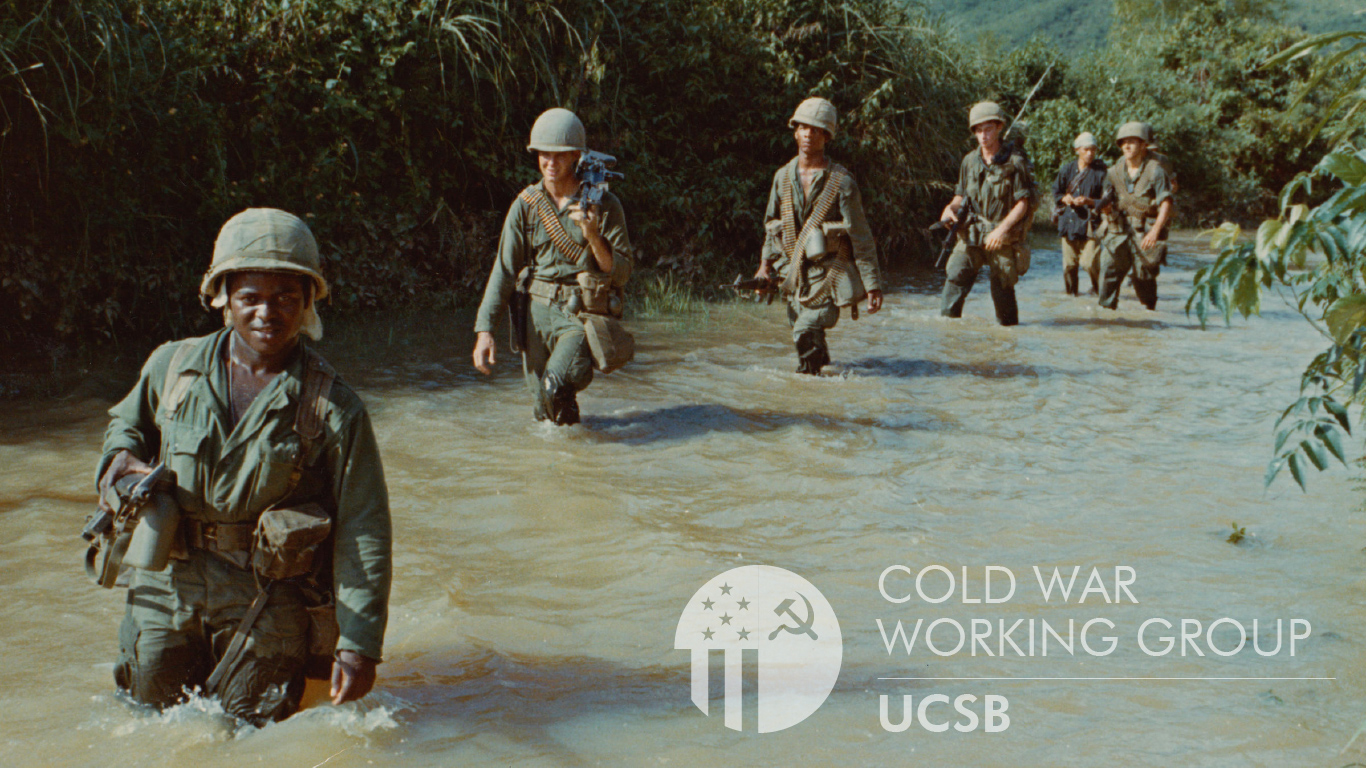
x: 967, y: 216
x: 594, y: 176
x: 1111, y: 198
x: 140, y: 530
x: 765, y: 286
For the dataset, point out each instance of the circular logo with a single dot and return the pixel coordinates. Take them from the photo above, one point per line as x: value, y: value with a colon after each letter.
x: 782, y: 616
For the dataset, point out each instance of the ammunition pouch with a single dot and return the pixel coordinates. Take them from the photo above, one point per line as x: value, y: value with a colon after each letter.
x: 599, y: 296
x: 287, y: 541
x: 611, y: 344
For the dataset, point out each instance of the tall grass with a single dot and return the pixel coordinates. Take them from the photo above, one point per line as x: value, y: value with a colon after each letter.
x: 131, y: 129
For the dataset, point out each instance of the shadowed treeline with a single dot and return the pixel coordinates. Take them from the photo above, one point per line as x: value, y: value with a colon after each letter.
x: 131, y: 129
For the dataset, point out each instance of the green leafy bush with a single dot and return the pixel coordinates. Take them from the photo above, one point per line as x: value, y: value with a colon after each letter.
x: 131, y: 129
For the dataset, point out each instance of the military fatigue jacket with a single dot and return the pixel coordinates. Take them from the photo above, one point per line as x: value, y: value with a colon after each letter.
x: 232, y: 475
x: 850, y: 210
x: 525, y: 242
x: 1073, y: 220
x: 995, y: 189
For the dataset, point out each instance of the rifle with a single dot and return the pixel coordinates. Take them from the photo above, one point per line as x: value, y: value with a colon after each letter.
x: 139, y: 532
x: 967, y: 216
x: 1112, y: 198
x: 768, y: 286
x: 594, y: 176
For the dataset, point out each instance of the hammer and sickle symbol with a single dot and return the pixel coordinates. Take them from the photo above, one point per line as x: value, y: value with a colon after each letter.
x: 803, y: 625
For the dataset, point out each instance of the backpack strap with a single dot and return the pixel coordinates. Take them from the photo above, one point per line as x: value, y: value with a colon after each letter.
x: 535, y: 197
x: 314, y: 398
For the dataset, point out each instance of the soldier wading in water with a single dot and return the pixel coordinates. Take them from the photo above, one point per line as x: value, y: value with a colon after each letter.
x: 1135, y: 233
x: 564, y: 260
x: 283, y: 537
x: 818, y: 238
x: 998, y: 182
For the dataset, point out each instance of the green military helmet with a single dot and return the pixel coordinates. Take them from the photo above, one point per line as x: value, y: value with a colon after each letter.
x: 265, y: 240
x: 985, y: 111
x: 557, y: 130
x: 1134, y: 130
x: 1084, y: 139
x: 816, y: 112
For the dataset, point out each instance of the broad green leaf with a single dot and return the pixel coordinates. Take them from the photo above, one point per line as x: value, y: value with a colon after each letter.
x: 1350, y: 169
x: 1346, y: 315
x: 1296, y: 471
x: 1316, y: 454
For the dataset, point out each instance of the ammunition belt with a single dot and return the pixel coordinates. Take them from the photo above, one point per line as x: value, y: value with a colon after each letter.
x: 217, y: 537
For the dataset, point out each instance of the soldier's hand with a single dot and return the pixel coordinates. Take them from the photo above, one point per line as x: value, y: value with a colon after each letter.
x: 588, y: 220
x: 996, y: 240
x: 1150, y: 239
x: 485, y: 352
x: 874, y: 302
x: 949, y: 216
x: 353, y: 675
x: 124, y: 463
x: 1069, y: 200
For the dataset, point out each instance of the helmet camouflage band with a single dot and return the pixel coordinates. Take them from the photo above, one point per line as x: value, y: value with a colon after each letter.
x: 818, y: 113
x: 985, y: 111
x: 557, y: 130
x: 265, y: 240
x: 1134, y: 130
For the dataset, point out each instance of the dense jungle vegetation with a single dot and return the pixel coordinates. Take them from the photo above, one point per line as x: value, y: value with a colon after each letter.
x: 131, y: 129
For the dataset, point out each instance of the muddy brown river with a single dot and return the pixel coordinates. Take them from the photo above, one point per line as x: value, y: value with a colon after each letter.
x: 540, y: 573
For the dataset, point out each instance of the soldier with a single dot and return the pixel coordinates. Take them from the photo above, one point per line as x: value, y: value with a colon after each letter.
x: 1079, y: 185
x: 549, y: 251
x: 256, y: 427
x: 997, y: 179
x: 1135, y: 230
x: 817, y: 237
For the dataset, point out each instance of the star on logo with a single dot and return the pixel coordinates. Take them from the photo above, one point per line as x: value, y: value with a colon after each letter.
x: 744, y: 634
x: 743, y: 604
x: 725, y: 618
x: 707, y: 604
x: 707, y: 633
x: 725, y: 589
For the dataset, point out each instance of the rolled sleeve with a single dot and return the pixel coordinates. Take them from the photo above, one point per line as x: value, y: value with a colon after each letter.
x: 773, y: 248
x: 614, y: 231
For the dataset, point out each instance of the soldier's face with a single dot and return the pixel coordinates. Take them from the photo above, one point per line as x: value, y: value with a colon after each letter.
x: 557, y: 166
x: 267, y: 309
x: 1133, y: 149
x: 988, y: 134
x: 1086, y: 154
x: 810, y: 139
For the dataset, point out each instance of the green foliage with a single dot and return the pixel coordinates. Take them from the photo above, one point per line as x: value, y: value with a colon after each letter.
x: 1237, y: 535
x: 1318, y: 255
x: 1234, y: 130
x: 131, y: 129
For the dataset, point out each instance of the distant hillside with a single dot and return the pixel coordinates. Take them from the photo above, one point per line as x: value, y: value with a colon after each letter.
x: 1085, y: 23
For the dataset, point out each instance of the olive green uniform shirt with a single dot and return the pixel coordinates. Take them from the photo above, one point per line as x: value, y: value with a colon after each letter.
x: 850, y: 209
x: 995, y: 189
x: 232, y: 475
x: 525, y: 242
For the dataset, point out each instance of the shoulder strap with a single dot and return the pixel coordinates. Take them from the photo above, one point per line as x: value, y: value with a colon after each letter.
x: 535, y: 197
x: 312, y: 412
x: 177, y: 382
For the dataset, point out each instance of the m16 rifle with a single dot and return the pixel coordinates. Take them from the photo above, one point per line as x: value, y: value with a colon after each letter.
x: 967, y: 216
x: 139, y: 531
x: 766, y: 287
x: 594, y: 176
